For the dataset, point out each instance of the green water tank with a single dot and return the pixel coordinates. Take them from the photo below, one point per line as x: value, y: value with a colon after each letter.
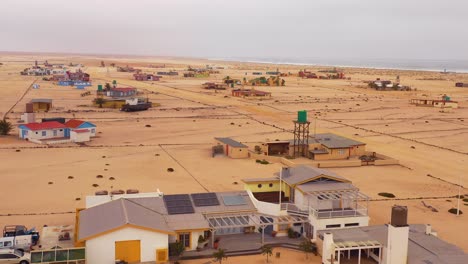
x: 302, y: 116
x: 114, y: 82
x: 99, y: 87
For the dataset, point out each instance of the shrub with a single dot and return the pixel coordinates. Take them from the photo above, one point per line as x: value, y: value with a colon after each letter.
x: 170, y: 169
x: 454, y: 211
x: 264, y: 162
x: 291, y: 233
x: 386, y: 194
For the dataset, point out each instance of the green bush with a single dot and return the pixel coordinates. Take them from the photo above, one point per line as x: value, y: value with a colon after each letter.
x: 386, y: 194
x: 264, y: 162
x: 291, y: 233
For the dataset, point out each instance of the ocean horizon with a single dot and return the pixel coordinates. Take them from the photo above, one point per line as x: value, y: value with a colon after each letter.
x: 457, y: 66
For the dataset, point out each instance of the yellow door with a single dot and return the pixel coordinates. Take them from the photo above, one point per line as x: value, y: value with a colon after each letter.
x: 161, y: 255
x: 128, y: 250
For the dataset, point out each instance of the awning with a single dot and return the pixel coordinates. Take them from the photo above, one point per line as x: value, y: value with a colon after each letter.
x: 246, y: 220
x: 339, y: 195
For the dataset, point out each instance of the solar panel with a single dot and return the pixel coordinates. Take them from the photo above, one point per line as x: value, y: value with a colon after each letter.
x: 178, y: 204
x: 205, y: 199
x: 234, y: 200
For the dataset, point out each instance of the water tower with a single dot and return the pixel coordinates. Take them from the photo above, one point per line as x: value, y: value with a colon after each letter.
x: 301, y: 134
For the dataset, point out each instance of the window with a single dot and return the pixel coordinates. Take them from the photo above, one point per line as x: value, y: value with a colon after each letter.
x: 259, y: 186
x: 55, y: 133
x: 7, y: 244
x: 44, y: 133
x: 206, y: 234
x: 341, y: 151
x: 333, y: 226
x: 185, y: 239
x: 283, y: 227
x: 351, y: 224
x: 8, y: 256
x: 271, y: 185
x: 93, y: 130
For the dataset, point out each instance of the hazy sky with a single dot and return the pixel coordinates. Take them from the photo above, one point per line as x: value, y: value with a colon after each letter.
x: 417, y: 29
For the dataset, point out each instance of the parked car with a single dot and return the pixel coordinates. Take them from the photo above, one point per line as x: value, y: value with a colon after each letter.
x: 14, y: 256
x: 23, y: 243
x: 20, y: 230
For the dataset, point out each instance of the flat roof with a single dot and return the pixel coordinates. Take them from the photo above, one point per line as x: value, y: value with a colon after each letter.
x: 231, y: 142
x: 334, y: 141
x: 326, y: 186
x: 260, y: 179
x: 41, y: 100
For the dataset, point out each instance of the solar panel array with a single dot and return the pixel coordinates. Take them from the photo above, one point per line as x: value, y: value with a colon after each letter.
x: 205, y: 199
x: 178, y: 204
x: 234, y: 200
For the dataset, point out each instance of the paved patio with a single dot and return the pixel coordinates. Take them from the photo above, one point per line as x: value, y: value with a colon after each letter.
x: 243, y: 244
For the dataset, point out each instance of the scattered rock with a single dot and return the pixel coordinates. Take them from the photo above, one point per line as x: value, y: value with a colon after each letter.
x: 170, y: 169
x: 235, y: 183
x: 103, y: 157
x: 95, y: 185
x: 99, y: 176
x: 70, y: 177
x: 147, y: 125
x: 77, y: 199
x: 51, y: 183
x: 413, y: 147
x: 111, y: 178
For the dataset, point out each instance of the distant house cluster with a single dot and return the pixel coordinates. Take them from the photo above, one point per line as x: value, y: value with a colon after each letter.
x: 169, y: 73
x: 146, y: 77
x: 78, y: 78
x: 387, y: 85
x: 214, y: 86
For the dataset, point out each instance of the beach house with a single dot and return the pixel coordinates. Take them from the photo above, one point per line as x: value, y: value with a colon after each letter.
x: 140, y: 227
x: 327, y: 199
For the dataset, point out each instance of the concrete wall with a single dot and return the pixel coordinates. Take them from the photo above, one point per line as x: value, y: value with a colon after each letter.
x: 253, y: 186
x: 80, y: 137
x: 321, y: 224
x: 102, y: 248
x: 48, y: 134
x: 339, y: 163
x: 238, y: 153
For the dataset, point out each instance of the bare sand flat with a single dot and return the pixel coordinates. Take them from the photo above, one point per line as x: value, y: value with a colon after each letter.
x: 430, y: 145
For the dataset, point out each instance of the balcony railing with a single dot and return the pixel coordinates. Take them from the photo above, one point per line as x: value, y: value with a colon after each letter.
x: 324, y: 214
x: 338, y: 213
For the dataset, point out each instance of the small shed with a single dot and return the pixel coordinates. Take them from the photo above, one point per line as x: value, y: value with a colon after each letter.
x: 233, y: 149
x: 80, y: 135
x: 41, y: 104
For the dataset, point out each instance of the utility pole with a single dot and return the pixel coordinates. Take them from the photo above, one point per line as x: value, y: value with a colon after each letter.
x: 280, y: 179
x: 459, y: 195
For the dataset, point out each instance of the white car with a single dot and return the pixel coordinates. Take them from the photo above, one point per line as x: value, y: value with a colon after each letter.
x: 14, y: 256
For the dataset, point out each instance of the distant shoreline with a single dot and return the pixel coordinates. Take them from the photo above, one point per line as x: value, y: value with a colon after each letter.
x: 463, y: 69
x: 452, y: 66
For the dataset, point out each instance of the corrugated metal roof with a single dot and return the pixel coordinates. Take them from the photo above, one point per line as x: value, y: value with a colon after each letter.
x: 108, y: 216
x: 302, y: 173
x: 41, y: 100
x: 231, y: 142
x: 334, y: 141
x: 44, y: 125
x: 325, y: 186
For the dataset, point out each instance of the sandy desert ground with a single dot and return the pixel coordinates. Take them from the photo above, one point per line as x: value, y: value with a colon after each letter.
x: 430, y: 145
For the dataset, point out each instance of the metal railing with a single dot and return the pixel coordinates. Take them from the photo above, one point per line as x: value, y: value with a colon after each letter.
x: 339, y: 213
x: 68, y: 255
x: 324, y: 214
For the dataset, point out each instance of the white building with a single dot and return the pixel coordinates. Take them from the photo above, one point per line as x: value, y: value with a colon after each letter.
x: 37, y: 132
x: 327, y: 199
x: 395, y: 243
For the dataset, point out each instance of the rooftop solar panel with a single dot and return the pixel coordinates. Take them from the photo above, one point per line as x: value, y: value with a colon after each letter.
x: 178, y: 204
x: 234, y: 200
x: 205, y: 199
